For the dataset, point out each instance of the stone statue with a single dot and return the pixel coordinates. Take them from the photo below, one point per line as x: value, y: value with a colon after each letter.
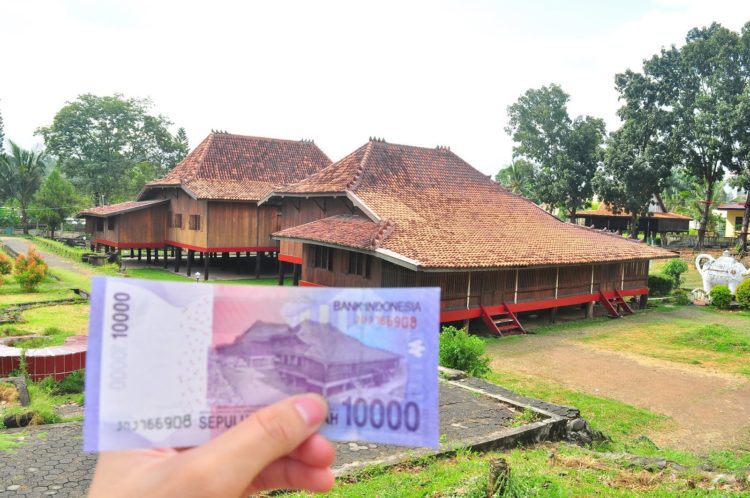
x: 725, y: 270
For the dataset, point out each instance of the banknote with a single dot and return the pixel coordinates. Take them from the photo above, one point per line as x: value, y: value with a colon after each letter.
x: 175, y: 364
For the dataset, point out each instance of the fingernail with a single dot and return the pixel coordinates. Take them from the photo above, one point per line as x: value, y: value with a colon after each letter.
x: 312, y: 408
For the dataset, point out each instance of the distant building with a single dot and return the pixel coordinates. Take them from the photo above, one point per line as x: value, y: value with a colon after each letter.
x: 659, y: 220
x: 735, y: 212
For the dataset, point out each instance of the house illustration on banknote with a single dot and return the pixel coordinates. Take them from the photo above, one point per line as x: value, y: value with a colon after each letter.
x: 311, y: 356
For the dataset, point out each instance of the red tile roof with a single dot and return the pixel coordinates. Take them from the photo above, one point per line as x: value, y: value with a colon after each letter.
x: 605, y: 211
x: 343, y: 230
x: 237, y: 167
x: 732, y: 205
x: 123, y: 207
x: 446, y: 214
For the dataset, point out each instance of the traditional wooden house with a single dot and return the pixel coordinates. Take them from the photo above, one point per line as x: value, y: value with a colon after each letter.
x: 208, y: 204
x: 399, y: 216
x: 659, y: 220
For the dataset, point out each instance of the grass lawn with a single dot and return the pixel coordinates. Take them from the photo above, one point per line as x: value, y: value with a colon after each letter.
x: 168, y: 275
x: 692, y: 279
x: 56, y: 286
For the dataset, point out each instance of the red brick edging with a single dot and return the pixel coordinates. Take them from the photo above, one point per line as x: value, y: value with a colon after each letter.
x: 55, y: 361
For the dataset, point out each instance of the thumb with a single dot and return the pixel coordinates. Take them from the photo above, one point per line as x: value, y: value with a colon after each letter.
x: 270, y: 433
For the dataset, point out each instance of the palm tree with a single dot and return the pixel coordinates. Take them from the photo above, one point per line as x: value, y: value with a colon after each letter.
x: 518, y: 177
x: 21, y: 175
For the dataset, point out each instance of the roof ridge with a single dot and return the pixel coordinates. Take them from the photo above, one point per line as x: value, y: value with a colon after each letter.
x: 385, y: 228
x: 355, y: 181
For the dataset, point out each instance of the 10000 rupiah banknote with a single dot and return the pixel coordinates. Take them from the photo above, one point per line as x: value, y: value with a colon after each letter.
x: 174, y: 364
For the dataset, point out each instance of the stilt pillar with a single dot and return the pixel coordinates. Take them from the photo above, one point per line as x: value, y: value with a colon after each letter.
x: 258, y: 258
x: 139, y: 254
x: 166, y: 262
x: 177, y: 258
x: 296, y: 274
x: 190, y: 262
x: 148, y: 256
x: 205, y: 260
x: 590, y: 309
x: 132, y: 252
x: 281, y: 273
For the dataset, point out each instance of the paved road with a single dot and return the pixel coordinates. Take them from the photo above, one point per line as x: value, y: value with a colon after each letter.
x: 50, y: 461
x: 53, y: 261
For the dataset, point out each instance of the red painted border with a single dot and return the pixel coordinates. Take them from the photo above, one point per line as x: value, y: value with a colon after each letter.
x: 290, y: 259
x: 127, y: 245
x: 457, y: 315
x: 305, y: 283
x: 221, y: 249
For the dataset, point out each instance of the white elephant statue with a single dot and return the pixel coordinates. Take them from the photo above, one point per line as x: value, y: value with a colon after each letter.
x: 724, y: 270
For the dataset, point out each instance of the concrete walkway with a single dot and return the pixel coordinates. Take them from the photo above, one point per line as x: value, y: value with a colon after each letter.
x: 50, y: 462
x: 20, y: 245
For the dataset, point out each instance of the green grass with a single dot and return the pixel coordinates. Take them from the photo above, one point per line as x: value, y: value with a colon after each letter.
x: 58, y: 248
x: 168, y: 275
x: 692, y: 279
x: 66, y: 319
x: 43, y: 403
x: 715, y: 337
x: 9, y: 441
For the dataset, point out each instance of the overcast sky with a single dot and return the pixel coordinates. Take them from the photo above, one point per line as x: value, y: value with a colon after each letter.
x: 413, y: 72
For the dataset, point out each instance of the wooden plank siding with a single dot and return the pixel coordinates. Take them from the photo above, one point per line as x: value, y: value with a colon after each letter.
x: 181, y: 203
x: 298, y: 211
x: 143, y: 226
x: 241, y: 224
x: 486, y: 288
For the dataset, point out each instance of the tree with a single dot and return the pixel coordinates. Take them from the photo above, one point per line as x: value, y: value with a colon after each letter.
x: 566, y: 151
x: 21, y: 174
x: 2, y: 135
x: 56, y: 200
x: 741, y: 165
x: 100, y: 139
x: 518, y: 177
x: 698, y: 88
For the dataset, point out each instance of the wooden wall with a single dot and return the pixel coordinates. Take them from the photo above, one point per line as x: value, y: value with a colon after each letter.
x: 241, y: 224
x: 486, y: 288
x: 181, y: 203
x: 338, y: 276
x: 298, y: 211
x: 143, y: 226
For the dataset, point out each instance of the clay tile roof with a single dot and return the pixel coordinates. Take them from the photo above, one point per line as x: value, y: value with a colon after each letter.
x: 237, y: 167
x: 123, y: 207
x: 732, y: 205
x: 446, y: 214
x: 603, y: 210
x: 343, y: 230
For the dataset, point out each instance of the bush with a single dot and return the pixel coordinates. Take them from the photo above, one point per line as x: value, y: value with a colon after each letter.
x: 6, y: 264
x: 462, y: 351
x: 742, y: 294
x: 721, y: 297
x: 659, y: 286
x: 674, y: 270
x: 30, y: 270
x: 72, y: 384
x: 680, y: 297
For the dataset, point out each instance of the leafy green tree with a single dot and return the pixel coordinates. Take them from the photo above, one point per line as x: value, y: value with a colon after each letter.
x: 698, y: 87
x: 567, y: 151
x: 741, y: 164
x: 518, y: 177
x: 2, y: 135
x: 182, y: 141
x: 21, y: 174
x: 56, y: 200
x: 99, y: 139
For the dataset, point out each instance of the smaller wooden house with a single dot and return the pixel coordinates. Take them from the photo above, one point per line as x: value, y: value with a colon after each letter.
x: 127, y: 225
x: 659, y: 220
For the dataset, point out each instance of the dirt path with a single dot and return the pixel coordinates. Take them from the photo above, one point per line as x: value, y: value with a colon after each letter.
x: 711, y: 410
x: 53, y: 261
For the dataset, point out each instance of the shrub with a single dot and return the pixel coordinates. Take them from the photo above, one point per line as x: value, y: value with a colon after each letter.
x: 659, y: 286
x: 6, y: 264
x: 462, y: 351
x: 30, y: 270
x: 742, y: 294
x: 721, y: 297
x: 674, y: 270
x: 680, y: 297
x: 72, y: 384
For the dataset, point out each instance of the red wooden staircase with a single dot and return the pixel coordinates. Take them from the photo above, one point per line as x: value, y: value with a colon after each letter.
x: 616, y: 306
x: 502, y: 322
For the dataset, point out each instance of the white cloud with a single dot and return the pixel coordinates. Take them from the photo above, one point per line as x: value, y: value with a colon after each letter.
x: 423, y: 73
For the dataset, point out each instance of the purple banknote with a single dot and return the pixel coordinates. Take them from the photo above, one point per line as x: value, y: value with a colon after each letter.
x: 175, y: 364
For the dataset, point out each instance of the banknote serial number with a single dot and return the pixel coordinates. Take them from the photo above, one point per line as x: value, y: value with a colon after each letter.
x: 155, y: 423
x: 378, y: 414
x: 396, y: 322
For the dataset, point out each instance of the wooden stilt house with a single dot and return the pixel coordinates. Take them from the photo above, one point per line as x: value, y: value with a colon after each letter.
x: 399, y: 216
x: 659, y: 221
x: 207, y: 206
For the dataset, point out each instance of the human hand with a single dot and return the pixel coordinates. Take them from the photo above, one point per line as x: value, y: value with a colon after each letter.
x: 275, y: 448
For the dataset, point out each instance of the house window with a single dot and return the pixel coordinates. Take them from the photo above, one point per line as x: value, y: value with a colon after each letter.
x: 323, y: 258
x: 100, y: 224
x: 738, y: 224
x: 178, y: 221
x: 194, y: 222
x: 170, y: 219
x: 359, y: 264
x: 110, y: 223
